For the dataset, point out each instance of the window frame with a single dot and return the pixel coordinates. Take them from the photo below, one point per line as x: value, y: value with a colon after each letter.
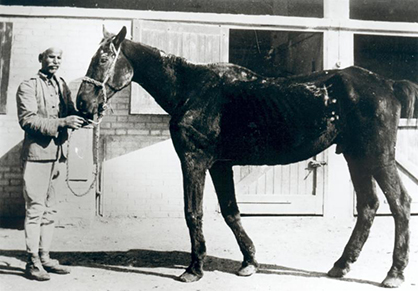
x: 6, y: 33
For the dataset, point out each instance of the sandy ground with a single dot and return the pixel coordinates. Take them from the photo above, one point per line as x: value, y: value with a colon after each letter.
x: 148, y: 254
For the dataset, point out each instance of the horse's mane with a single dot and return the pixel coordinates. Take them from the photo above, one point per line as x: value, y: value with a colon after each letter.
x: 166, y: 57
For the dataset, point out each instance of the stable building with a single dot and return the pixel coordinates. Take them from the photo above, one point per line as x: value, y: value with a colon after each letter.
x: 128, y: 166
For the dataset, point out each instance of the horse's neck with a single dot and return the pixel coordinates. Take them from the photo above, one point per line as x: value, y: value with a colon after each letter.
x: 153, y: 73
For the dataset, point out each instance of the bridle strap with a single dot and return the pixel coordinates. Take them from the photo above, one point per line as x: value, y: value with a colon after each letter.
x: 102, y: 84
x: 90, y: 80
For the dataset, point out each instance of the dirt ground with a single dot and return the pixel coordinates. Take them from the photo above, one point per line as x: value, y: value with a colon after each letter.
x: 148, y: 254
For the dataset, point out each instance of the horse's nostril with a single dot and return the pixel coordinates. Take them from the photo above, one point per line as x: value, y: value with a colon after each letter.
x: 81, y: 106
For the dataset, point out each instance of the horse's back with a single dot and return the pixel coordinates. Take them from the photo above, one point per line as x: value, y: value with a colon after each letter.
x: 284, y: 120
x: 276, y: 121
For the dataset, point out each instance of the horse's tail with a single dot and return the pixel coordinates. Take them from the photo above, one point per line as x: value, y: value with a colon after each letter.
x: 407, y: 93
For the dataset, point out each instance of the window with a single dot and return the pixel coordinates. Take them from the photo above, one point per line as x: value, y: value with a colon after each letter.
x: 390, y: 56
x: 393, y: 57
x: 384, y: 10
x: 276, y: 53
x: 5, y: 53
x: 305, y: 8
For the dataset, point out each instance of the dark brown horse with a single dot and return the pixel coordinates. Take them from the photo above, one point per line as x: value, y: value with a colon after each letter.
x: 224, y: 115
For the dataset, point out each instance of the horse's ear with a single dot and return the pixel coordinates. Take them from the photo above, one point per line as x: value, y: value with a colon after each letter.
x: 106, y: 34
x: 120, y: 37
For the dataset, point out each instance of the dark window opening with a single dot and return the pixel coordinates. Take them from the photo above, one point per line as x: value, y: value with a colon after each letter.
x: 384, y: 10
x: 6, y: 29
x: 389, y: 56
x: 302, y: 8
x: 276, y: 53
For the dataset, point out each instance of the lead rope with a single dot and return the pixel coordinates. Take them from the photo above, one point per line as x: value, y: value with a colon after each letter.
x: 96, y: 138
x: 96, y: 124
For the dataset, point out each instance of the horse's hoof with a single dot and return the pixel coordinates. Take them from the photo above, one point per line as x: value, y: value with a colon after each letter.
x: 247, y: 270
x: 393, y: 282
x: 187, y: 277
x: 336, y: 272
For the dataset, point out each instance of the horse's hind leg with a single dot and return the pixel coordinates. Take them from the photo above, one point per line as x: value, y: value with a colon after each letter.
x: 367, y: 204
x: 222, y: 177
x: 399, y: 202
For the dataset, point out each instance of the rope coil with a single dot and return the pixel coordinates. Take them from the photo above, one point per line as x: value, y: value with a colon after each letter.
x: 96, y: 138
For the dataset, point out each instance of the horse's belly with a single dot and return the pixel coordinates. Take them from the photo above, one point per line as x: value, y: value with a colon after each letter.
x: 276, y: 149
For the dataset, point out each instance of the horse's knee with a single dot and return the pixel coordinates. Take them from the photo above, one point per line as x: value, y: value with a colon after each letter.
x: 374, y: 204
x: 193, y: 217
x: 367, y: 209
x: 401, y: 215
x: 232, y: 219
x: 407, y: 199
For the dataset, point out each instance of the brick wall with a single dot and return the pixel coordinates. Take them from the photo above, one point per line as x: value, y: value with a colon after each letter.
x: 11, y: 200
x: 123, y: 132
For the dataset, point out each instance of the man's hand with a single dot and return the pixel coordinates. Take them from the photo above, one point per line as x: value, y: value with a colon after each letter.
x: 74, y: 121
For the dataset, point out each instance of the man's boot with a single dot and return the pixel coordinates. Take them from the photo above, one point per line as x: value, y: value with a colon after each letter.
x: 53, y: 266
x: 34, y: 269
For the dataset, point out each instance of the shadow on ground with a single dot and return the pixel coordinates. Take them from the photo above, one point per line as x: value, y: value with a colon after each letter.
x: 131, y: 260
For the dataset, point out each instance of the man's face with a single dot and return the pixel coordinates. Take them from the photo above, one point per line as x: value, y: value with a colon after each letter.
x: 50, y: 61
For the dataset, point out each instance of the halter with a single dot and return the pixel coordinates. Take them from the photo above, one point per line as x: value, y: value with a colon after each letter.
x: 102, y: 84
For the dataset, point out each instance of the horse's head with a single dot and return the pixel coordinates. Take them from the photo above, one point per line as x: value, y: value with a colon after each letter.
x: 108, y: 73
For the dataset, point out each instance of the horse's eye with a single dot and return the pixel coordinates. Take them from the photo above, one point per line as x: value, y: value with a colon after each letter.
x: 104, y: 60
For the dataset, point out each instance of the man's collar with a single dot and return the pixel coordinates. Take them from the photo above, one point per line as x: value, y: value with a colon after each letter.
x: 45, y: 77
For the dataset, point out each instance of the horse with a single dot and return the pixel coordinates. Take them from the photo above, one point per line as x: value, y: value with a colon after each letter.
x: 224, y: 115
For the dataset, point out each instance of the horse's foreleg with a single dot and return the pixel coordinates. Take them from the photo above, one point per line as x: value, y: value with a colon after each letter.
x: 222, y: 177
x: 400, y: 203
x: 367, y: 204
x: 193, y: 184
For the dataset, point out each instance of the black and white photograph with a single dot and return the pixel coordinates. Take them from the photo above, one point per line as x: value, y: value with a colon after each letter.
x: 208, y: 145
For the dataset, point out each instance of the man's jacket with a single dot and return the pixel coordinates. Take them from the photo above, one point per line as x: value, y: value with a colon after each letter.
x: 44, y: 138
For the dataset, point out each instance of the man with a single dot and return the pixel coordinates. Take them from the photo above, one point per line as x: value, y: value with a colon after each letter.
x: 45, y: 112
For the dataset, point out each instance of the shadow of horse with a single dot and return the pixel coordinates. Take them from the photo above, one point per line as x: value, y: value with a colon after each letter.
x: 133, y: 260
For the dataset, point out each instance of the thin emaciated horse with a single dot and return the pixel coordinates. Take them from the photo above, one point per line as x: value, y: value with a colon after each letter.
x: 224, y: 115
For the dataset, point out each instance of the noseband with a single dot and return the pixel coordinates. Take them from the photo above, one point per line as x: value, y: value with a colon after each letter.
x: 102, y: 85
